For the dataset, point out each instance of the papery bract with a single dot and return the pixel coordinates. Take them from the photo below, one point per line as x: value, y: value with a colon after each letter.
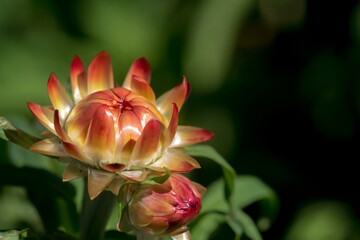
x: 161, y: 210
x: 114, y: 134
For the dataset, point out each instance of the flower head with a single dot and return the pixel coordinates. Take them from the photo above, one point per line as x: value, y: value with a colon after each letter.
x: 163, y: 209
x: 112, y: 133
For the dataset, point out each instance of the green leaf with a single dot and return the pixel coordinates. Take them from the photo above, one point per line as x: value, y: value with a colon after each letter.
x: 10, y: 133
x: 13, y: 235
x: 247, y: 224
x: 215, y: 209
x: 209, y: 152
x: 157, y: 180
x: 52, y: 197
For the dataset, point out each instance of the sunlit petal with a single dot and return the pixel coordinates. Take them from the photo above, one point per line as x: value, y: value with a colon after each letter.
x: 147, y: 144
x: 100, y: 73
x: 176, y: 95
x: 59, y: 97
x: 141, y: 87
x: 50, y: 146
x: 78, y: 79
x: 186, y: 135
x: 100, y: 140
x: 141, y: 68
x: 176, y: 160
x: 45, y: 115
x: 171, y: 130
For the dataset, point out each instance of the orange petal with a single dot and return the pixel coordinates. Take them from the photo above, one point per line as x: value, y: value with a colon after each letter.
x: 171, y: 130
x: 78, y: 79
x: 98, y: 181
x: 136, y: 175
x: 76, y: 153
x: 100, y: 140
x: 129, y: 131
x: 176, y: 95
x: 187, y: 135
x: 59, y: 97
x: 100, y: 73
x: 141, y: 87
x: 50, y: 146
x: 147, y: 144
x: 59, y: 129
x: 141, y: 68
x: 45, y: 115
x: 74, y: 170
x: 176, y: 160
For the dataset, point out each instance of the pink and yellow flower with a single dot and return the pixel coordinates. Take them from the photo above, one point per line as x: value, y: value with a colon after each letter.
x: 162, y: 210
x: 112, y: 133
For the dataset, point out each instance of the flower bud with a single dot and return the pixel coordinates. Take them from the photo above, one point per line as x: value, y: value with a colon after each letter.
x: 162, y: 210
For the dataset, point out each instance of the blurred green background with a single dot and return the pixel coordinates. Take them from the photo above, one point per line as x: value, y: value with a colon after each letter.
x: 277, y: 81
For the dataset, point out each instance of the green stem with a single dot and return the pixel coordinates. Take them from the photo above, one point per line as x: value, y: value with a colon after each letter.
x: 95, y: 214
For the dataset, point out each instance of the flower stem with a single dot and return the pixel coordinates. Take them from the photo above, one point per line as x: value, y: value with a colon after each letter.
x: 95, y: 214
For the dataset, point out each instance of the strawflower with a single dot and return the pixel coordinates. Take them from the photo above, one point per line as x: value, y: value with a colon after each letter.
x: 161, y: 210
x: 114, y: 134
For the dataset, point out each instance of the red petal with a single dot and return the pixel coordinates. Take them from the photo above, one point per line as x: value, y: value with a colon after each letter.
x: 45, y: 115
x: 147, y: 144
x: 59, y: 97
x: 171, y: 130
x: 59, y: 129
x: 78, y: 79
x: 176, y: 95
x: 100, y: 73
x: 141, y: 87
x: 187, y: 135
x: 141, y: 68
x: 100, y: 140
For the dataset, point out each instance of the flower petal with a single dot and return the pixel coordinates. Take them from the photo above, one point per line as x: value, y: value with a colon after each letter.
x: 186, y: 135
x: 74, y: 170
x: 147, y: 144
x: 59, y: 129
x: 176, y: 160
x: 45, y: 115
x: 176, y: 95
x: 98, y: 181
x: 50, y: 146
x: 76, y: 153
x: 171, y: 130
x: 129, y: 130
x: 141, y: 87
x: 59, y: 97
x: 136, y: 175
x: 78, y: 79
x: 100, y: 73
x: 100, y: 140
x: 201, y: 189
x: 141, y: 68
x: 115, y: 185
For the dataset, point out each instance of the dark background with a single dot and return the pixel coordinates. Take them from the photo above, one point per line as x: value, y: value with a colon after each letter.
x: 277, y: 81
